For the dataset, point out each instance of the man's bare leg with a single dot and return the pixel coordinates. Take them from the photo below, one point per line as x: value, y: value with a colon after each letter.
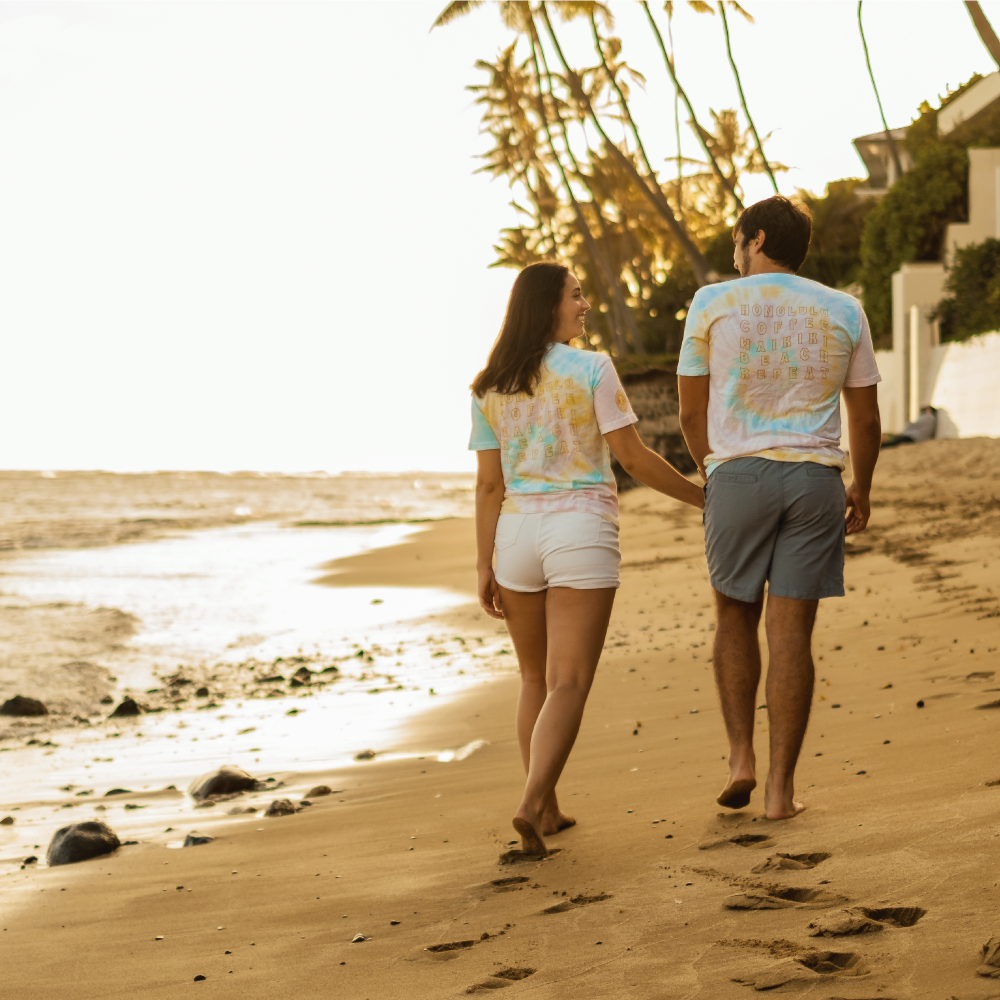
x: 576, y: 624
x: 736, y: 659
x: 790, y: 676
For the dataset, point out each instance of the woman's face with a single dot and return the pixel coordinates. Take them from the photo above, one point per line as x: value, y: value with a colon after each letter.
x: 571, y: 312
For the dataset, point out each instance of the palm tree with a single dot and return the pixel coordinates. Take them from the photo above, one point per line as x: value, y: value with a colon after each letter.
x: 739, y: 86
x: 703, y: 271
x: 679, y: 90
x: 986, y: 33
x: 888, y: 134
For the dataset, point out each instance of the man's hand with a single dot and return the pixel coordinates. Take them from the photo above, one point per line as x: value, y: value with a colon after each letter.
x: 489, y: 594
x: 859, y: 509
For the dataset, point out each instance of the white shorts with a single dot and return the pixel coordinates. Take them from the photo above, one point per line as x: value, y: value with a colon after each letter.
x: 566, y: 549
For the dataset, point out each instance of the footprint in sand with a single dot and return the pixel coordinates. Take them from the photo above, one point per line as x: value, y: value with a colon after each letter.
x: 741, y: 840
x: 516, y: 857
x: 499, y: 980
x: 864, y: 920
x: 776, y: 897
x: 510, y: 884
x: 803, y: 966
x: 790, y: 862
x: 572, y: 904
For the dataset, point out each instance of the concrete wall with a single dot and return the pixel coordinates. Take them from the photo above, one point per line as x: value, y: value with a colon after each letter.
x: 984, y: 203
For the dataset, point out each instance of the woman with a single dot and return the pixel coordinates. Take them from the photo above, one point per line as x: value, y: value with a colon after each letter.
x: 546, y: 502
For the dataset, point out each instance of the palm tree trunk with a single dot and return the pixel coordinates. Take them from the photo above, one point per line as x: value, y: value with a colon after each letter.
x: 986, y: 33
x: 593, y: 250
x: 888, y: 133
x: 703, y: 271
x: 672, y: 61
x: 743, y: 100
x: 622, y: 310
x: 725, y: 181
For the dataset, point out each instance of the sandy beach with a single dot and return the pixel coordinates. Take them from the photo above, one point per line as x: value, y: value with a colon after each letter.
x: 885, y: 887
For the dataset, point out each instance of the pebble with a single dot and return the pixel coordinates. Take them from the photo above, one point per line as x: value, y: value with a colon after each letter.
x: 358, y: 938
x: 159, y: 937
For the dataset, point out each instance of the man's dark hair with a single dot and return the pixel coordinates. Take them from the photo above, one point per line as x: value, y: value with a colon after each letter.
x: 787, y: 230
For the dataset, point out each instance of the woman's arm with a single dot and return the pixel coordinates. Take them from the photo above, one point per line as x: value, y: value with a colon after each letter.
x: 489, y: 498
x: 644, y: 464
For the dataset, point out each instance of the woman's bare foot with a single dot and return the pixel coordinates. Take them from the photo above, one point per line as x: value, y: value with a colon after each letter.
x: 555, y: 822
x: 736, y: 794
x: 532, y: 841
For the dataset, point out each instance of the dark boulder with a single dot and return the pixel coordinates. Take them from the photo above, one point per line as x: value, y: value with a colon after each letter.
x: 315, y: 793
x: 107, y: 700
x: 280, y: 807
x: 226, y: 780
x: 80, y: 841
x: 19, y: 705
x: 194, y: 840
x: 202, y: 692
x: 7, y: 821
x: 126, y: 709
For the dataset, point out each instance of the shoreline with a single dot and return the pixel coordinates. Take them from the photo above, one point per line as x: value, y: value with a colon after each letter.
x: 656, y: 893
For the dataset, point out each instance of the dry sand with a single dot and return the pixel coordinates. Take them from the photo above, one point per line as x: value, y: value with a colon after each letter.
x: 903, y: 808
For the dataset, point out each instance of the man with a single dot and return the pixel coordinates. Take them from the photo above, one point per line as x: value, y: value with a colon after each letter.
x: 763, y: 364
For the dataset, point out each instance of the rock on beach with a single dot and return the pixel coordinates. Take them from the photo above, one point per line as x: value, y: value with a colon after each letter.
x: 21, y: 706
x: 280, y: 807
x: 195, y: 840
x: 129, y: 707
x: 80, y: 841
x: 225, y: 780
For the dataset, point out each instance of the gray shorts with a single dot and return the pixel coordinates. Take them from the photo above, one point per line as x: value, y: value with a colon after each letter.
x: 779, y: 522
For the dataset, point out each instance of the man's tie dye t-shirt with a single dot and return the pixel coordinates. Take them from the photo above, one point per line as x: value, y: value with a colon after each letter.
x: 778, y: 349
x: 552, y: 449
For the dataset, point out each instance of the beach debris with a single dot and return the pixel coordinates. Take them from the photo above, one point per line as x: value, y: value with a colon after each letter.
x: 107, y: 700
x: 227, y: 780
x: 159, y: 937
x: 280, y: 807
x: 7, y: 821
x: 80, y: 841
x: 991, y: 959
x: 358, y: 938
x: 21, y: 706
x: 315, y: 793
x: 31, y: 859
x: 202, y: 692
x: 303, y: 804
x: 301, y: 677
x: 198, y: 979
x: 196, y: 840
x: 128, y: 707
x: 241, y: 811
x: 365, y: 755
x: 118, y: 791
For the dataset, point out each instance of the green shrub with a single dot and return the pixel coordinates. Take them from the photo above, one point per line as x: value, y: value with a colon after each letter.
x: 909, y: 224
x: 973, y: 302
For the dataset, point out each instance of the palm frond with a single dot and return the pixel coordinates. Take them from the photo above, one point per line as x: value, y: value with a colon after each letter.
x: 455, y: 10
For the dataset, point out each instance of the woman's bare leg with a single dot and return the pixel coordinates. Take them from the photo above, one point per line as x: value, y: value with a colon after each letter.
x: 524, y: 615
x: 576, y: 623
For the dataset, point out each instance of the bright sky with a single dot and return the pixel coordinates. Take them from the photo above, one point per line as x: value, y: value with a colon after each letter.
x: 248, y: 235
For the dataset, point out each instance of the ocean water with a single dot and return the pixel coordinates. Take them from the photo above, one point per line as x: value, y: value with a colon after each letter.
x: 223, y: 606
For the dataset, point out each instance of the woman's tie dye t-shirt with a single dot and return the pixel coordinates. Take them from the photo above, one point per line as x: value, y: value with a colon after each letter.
x: 552, y: 448
x: 778, y: 349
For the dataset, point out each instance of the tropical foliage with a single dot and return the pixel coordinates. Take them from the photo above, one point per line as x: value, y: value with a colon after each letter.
x: 973, y: 302
x: 640, y: 244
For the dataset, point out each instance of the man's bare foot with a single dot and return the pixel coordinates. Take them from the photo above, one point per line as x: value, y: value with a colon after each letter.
x: 555, y: 823
x: 532, y: 841
x: 736, y: 794
x: 782, y: 812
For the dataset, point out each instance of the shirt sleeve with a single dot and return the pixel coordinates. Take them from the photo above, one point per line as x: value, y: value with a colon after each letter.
x: 611, y: 405
x: 693, y: 359
x: 482, y: 438
x: 862, y: 369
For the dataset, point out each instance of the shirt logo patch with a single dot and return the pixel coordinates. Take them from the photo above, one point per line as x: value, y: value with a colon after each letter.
x: 621, y: 402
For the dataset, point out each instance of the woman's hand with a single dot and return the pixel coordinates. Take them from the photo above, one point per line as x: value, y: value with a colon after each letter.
x: 489, y: 594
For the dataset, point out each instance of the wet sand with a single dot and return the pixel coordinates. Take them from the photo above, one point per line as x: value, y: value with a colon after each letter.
x: 657, y: 892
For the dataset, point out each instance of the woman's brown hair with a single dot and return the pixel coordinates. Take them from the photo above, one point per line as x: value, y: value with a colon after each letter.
x: 516, y: 356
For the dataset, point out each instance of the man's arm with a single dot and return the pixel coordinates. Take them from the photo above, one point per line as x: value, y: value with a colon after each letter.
x: 693, y: 392
x: 864, y: 434
x: 650, y: 469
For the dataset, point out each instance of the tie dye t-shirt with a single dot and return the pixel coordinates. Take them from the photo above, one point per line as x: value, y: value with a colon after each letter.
x: 777, y: 349
x: 552, y: 449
